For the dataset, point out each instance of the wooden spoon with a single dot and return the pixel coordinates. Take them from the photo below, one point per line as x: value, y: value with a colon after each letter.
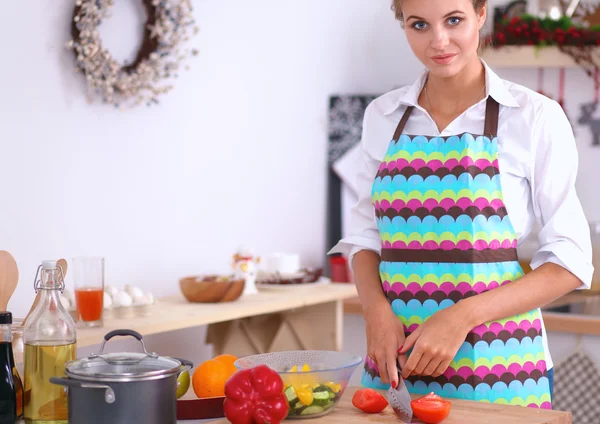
x: 62, y: 263
x: 9, y: 277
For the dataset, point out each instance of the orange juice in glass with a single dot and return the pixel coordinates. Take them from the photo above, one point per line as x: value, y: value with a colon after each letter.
x: 89, y: 290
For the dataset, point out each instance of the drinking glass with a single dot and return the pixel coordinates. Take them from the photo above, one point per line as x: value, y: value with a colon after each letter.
x: 89, y: 290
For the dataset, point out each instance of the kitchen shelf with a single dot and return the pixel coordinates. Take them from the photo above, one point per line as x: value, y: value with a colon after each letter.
x: 311, y: 315
x: 529, y: 57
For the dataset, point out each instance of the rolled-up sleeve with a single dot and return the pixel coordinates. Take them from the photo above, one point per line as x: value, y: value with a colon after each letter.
x: 363, y: 232
x: 564, y: 236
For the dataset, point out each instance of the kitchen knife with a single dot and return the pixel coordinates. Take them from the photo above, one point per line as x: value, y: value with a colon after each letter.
x: 399, y: 399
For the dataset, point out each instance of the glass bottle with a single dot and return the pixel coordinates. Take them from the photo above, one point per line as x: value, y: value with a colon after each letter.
x: 50, y: 342
x: 11, y: 389
x: 17, y: 327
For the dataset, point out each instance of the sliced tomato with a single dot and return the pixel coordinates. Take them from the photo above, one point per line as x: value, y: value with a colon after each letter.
x: 431, y: 408
x: 370, y: 401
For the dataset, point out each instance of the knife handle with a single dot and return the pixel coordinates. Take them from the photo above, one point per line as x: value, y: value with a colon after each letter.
x: 399, y: 368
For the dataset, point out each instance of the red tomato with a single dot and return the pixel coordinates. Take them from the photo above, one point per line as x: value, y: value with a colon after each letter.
x: 431, y: 409
x: 370, y: 401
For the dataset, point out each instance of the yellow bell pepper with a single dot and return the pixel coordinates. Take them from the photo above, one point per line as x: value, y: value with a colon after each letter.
x: 334, y: 386
x: 305, y: 395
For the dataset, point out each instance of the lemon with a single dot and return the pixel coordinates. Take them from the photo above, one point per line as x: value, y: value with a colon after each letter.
x: 183, y: 383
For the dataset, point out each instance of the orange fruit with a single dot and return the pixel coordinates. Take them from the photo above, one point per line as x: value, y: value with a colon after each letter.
x: 228, y: 360
x: 209, y: 379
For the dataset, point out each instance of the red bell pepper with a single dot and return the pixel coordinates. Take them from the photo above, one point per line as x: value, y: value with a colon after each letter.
x: 255, y: 396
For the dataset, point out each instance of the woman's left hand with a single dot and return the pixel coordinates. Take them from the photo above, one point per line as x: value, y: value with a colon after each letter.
x: 436, y: 342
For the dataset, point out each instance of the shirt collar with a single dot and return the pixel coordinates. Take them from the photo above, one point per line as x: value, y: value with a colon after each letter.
x: 495, y: 87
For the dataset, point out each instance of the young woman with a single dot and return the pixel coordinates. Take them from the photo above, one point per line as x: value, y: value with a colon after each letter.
x: 473, y: 163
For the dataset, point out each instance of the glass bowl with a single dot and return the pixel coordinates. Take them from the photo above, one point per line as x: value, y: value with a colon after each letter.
x: 314, y: 380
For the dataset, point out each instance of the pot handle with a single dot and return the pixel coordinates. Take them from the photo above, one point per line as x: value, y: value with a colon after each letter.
x: 123, y: 332
x: 109, y: 395
x: 185, y: 363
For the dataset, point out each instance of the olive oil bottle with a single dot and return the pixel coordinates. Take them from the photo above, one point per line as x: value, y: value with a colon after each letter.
x: 50, y: 342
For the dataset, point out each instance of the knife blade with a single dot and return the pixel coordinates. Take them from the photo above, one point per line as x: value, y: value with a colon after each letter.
x: 399, y: 399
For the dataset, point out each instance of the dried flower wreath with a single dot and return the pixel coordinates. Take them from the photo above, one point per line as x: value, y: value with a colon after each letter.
x: 168, y: 26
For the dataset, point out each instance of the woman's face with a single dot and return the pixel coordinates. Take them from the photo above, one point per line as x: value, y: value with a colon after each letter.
x: 443, y: 34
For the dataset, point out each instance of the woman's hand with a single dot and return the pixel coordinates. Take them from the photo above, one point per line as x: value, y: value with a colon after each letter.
x: 436, y: 342
x: 385, y: 335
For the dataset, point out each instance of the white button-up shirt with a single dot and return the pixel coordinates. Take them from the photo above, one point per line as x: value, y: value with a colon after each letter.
x: 538, y: 166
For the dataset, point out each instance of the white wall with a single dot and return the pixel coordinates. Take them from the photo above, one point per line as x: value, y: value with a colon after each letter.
x: 235, y: 154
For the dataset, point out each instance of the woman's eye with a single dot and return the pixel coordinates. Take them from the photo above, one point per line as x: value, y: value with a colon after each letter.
x: 419, y: 25
x: 454, y: 21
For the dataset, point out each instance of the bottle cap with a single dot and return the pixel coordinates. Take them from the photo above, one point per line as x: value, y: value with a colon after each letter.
x: 5, y: 317
x: 49, y: 264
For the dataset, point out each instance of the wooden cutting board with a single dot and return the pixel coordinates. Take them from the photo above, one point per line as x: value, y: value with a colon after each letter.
x: 462, y: 412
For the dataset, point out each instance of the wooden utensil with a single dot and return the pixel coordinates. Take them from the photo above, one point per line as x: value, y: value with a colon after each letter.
x: 9, y: 277
x: 62, y: 263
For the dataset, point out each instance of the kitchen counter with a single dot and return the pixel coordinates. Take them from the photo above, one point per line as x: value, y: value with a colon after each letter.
x: 462, y: 412
x: 577, y: 312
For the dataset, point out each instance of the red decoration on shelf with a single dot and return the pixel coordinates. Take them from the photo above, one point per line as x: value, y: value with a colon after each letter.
x: 580, y: 43
x: 529, y: 31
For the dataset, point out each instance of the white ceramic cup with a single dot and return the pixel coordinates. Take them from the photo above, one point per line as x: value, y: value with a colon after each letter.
x: 283, y: 263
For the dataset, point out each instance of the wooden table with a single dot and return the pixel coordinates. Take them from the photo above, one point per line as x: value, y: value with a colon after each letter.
x: 296, y: 318
x: 462, y: 412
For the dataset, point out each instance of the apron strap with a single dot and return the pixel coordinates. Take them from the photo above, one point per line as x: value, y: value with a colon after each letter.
x: 492, y: 112
x: 402, y: 123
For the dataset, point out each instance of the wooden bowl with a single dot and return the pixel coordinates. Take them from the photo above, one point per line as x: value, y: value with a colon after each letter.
x: 211, y: 289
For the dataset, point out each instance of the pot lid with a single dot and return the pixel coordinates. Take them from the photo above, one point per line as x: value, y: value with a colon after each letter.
x: 123, y: 366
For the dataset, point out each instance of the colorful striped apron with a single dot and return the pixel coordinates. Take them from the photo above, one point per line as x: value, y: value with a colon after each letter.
x: 446, y: 236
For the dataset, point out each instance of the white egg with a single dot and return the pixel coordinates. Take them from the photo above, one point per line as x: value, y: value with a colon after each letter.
x: 139, y: 300
x: 115, y: 301
x: 108, y: 302
x: 134, y: 291
x: 112, y: 291
x: 64, y: 300
x: 69, y: 295
x: 124, y: 299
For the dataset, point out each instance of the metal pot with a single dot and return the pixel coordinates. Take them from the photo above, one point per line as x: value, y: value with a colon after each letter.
x: 123, y: 388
